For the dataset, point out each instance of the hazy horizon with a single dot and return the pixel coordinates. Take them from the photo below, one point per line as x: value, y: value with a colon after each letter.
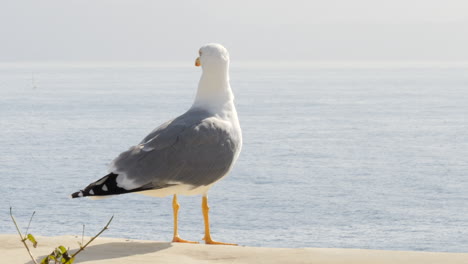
x: 146, y: 31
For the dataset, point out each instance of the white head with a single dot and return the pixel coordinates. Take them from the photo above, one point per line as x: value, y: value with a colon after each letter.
x: 213, y: 56
x: 214, y: 90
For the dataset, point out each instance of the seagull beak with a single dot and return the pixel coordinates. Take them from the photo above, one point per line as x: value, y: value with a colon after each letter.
x: 197, y: 62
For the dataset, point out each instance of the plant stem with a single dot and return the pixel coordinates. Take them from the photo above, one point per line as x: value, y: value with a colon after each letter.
x: 30, y: 220
x: 94, y: 237
x: 82, y: 236
x: 23, y: 240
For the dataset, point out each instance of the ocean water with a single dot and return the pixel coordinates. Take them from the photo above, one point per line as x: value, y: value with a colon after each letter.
x: 336, y: 156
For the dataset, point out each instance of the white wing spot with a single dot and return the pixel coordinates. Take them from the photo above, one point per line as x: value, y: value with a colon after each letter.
x: 91, y: 192
x: 101, y: 181
x: 80, y: 194
x: 104, y: 188
x: 174, y: 182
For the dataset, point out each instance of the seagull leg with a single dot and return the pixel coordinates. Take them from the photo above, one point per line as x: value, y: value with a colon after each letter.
x: 207, y: 238
x: 175, y: 207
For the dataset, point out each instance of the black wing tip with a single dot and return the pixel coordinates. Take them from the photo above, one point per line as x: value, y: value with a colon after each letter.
x: 76, y: 194
x: 92, y: 189
x: 105, y: 186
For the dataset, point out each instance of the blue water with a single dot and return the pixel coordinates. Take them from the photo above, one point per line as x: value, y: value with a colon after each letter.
x: 353, y: 157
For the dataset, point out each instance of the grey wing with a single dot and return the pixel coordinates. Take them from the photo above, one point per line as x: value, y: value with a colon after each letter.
x: 195, y: 153
x: 205, y: 153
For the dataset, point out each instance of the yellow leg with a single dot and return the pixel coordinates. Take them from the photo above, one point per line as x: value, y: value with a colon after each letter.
x: 175, y: 207
x: 207, y: 238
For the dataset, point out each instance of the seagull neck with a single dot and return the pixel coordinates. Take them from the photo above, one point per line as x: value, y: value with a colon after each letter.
x: 214, y: 91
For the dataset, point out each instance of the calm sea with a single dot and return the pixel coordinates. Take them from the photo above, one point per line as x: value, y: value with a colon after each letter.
x: 336, y: 156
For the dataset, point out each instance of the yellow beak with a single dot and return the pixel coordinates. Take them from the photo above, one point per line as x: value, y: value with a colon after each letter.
x: 197, y: 62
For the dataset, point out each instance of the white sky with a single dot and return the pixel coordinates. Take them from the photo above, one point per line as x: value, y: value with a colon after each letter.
x: 151, y: 30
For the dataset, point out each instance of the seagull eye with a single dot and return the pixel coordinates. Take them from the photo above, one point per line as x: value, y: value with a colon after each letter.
x: 199, y: 52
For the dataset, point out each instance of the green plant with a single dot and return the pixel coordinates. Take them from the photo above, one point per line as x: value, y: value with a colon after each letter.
x: 60, y: 254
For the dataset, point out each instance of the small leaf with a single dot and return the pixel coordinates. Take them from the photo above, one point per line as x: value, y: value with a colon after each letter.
x: 45, y: 260
x: 62, y: 249
x: 65, y: 257
x: 33, y: 240
x: 57, y: 253
x: 70, y: 261
x: 52, y: 256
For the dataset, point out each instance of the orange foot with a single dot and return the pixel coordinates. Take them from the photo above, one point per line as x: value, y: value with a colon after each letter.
x: 180, y: 240
x: 212, y: 242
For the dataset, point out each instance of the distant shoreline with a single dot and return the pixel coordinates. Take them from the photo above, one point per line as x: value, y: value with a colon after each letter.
x: 241, y: 64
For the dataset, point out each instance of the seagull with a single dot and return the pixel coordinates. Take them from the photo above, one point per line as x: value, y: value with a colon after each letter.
x: 186, y: 155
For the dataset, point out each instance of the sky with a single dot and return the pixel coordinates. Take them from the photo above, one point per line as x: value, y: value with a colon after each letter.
x: 262, y: 30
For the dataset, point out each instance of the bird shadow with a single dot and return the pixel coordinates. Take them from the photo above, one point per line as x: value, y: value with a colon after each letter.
x: 113, y: 250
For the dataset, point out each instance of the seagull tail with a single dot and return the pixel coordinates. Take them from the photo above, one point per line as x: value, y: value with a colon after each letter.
x: 106, y: 186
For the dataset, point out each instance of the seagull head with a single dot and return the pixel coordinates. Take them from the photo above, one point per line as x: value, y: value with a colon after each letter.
x: 212, y: 55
